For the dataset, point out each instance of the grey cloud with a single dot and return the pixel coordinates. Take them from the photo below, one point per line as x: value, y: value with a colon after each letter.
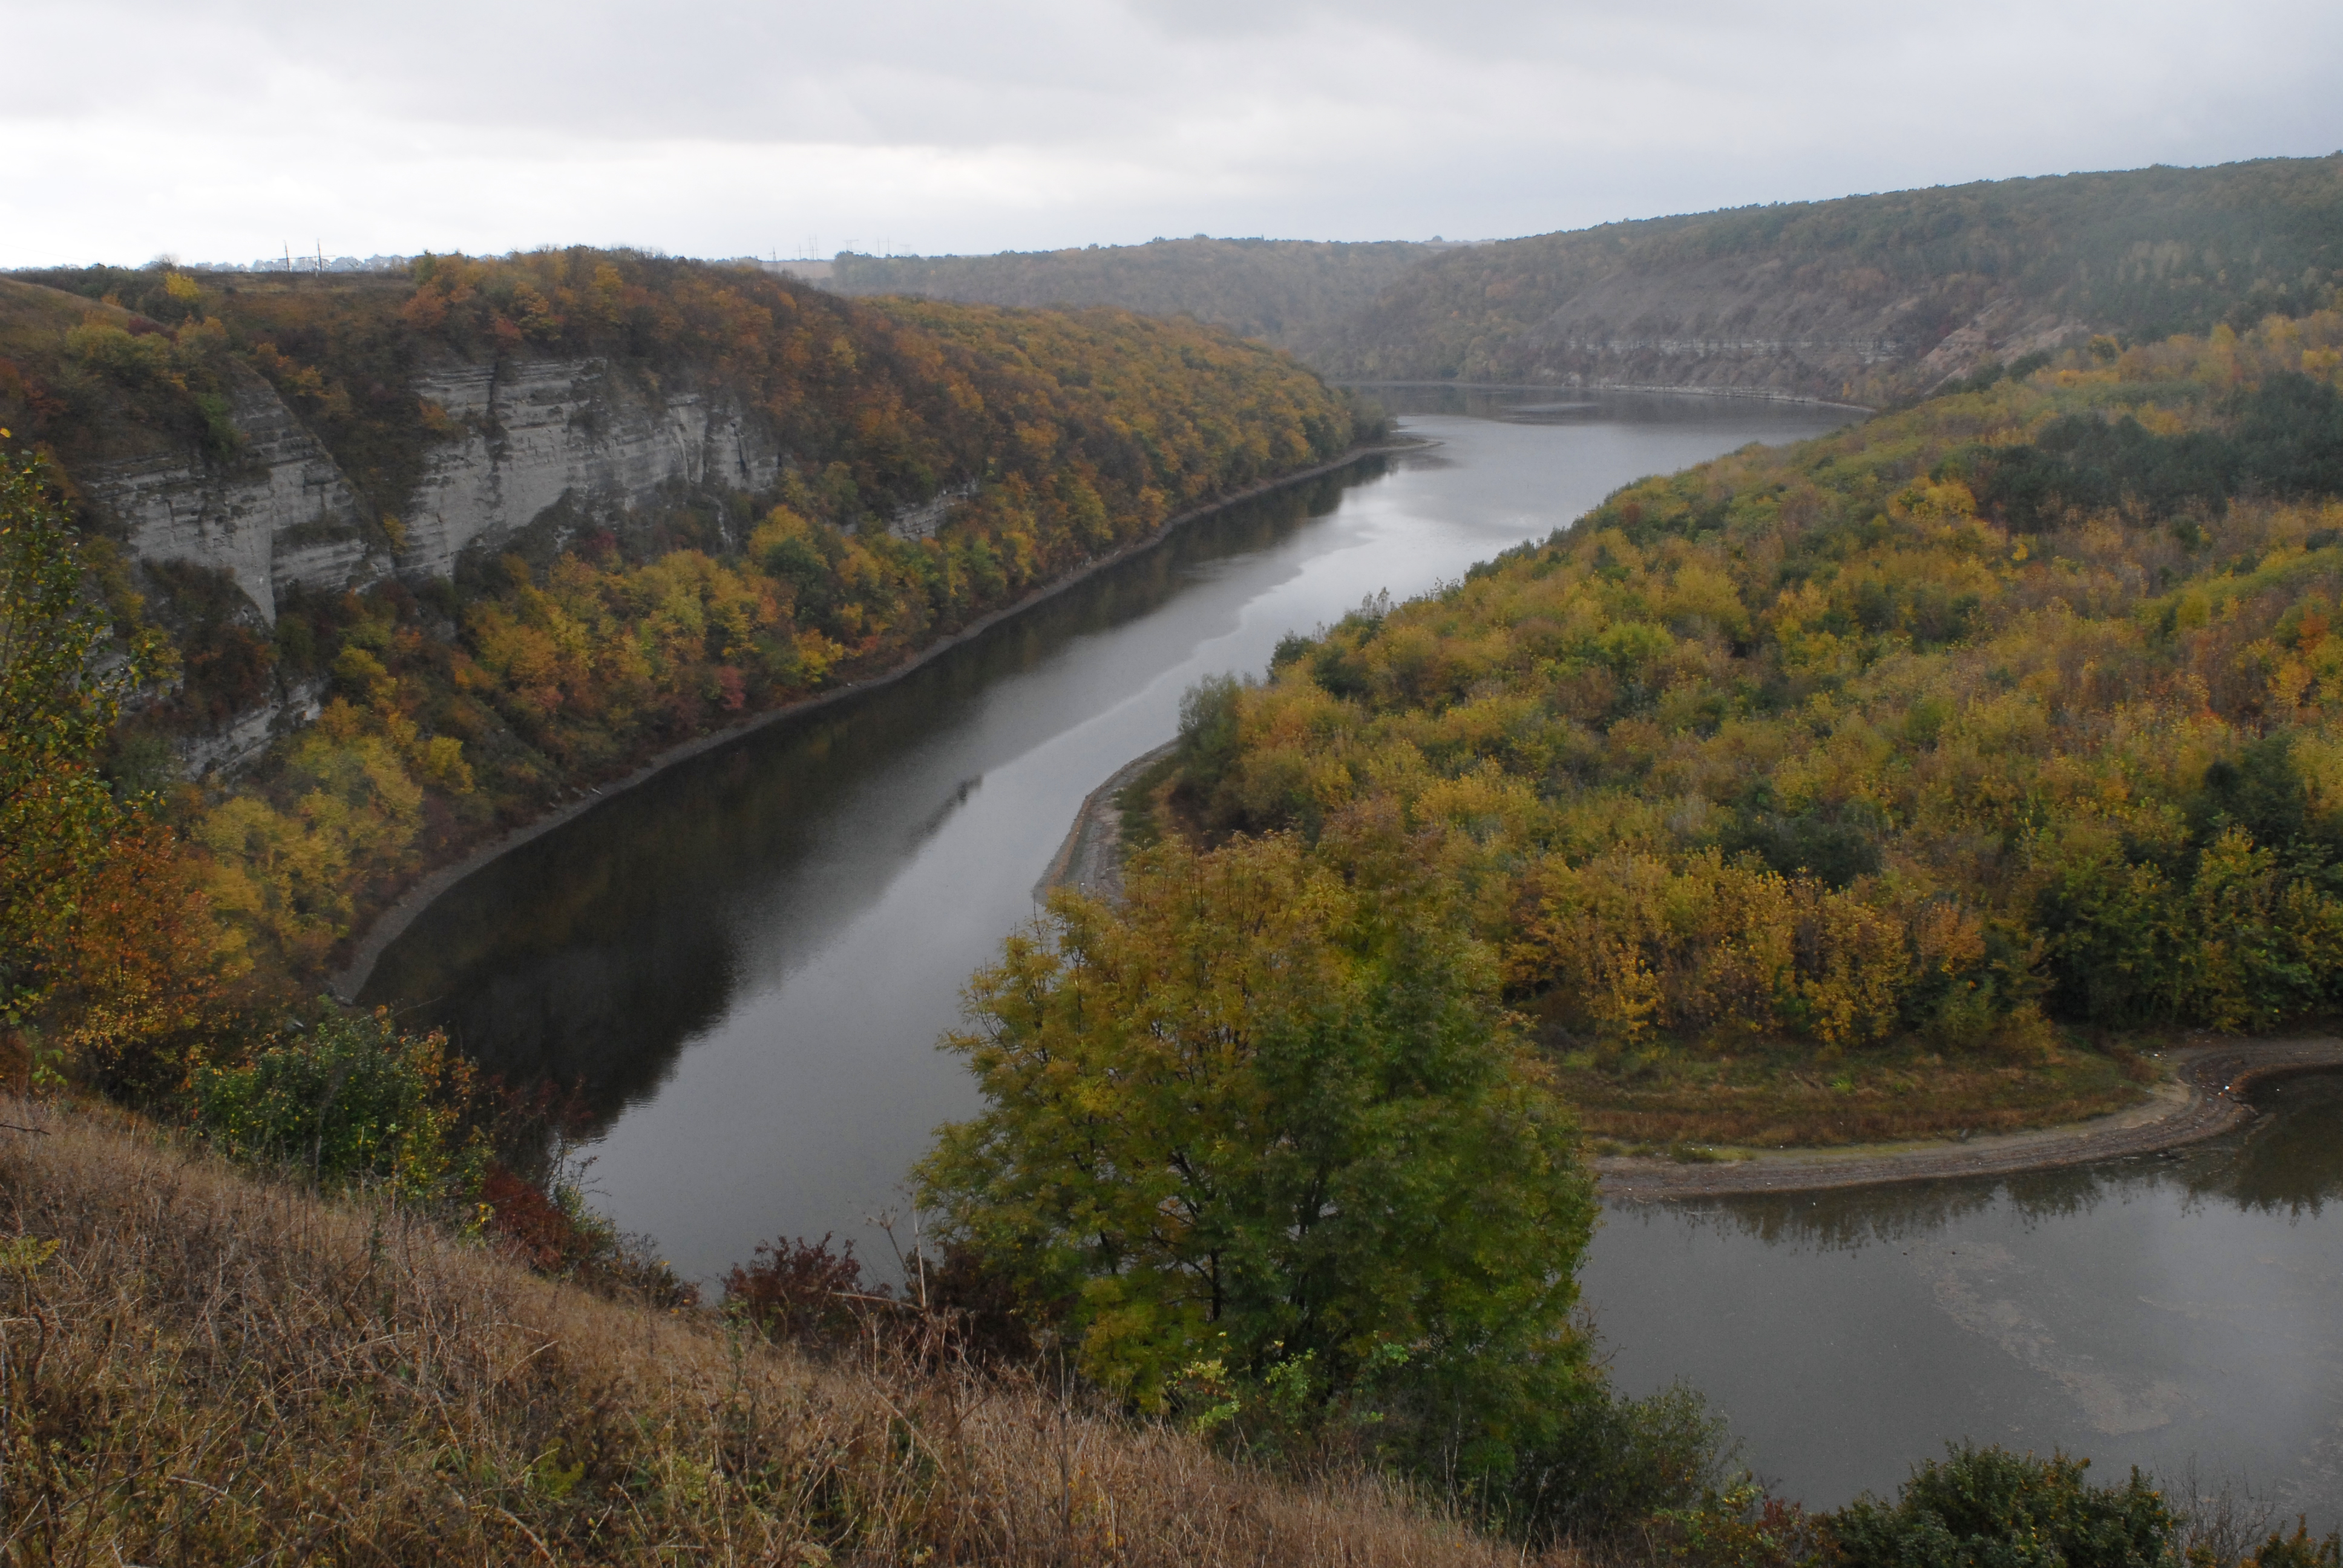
x: 723, y: 125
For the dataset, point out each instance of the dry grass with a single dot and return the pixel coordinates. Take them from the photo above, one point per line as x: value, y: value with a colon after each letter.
x: 1758, y: 1103
x: 212, y: 1369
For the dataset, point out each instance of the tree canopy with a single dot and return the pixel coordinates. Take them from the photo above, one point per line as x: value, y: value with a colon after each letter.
x: 1265, y: 1131
x: 2018, y: 709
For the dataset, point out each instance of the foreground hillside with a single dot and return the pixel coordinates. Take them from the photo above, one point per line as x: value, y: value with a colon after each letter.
x: 202, y: 1369
x: 1799, y: 796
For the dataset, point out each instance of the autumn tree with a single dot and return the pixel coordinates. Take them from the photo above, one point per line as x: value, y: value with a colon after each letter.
x: 58, y: 701
x: 1262, y: 1136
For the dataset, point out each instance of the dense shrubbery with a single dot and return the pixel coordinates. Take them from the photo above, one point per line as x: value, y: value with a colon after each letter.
x: 347, y: 1099
x: 1990, y: 1508
x: 58, y: 705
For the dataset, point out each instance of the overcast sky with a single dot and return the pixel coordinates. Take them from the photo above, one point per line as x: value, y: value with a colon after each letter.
x: 228, y: 129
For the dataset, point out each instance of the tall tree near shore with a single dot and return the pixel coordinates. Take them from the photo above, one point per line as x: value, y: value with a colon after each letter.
x: 1262, y: 1133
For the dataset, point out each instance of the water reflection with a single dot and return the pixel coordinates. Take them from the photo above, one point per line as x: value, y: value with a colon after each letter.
x: 2158, y: 1310
x: 2293, y: 1162
x: 592, y: 956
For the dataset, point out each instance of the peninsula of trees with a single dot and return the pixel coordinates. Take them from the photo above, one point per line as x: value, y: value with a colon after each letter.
x: 1844, y: 790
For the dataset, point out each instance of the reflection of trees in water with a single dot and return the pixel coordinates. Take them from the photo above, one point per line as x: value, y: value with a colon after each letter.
x: 2290, y: 1162
x: 590, y: 958
x: 1851, y: 1219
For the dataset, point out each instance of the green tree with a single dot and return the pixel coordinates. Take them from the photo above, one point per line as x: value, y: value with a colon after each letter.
x: 57, y: 706
x: 1263, y: 1131
x: 347, y: 1099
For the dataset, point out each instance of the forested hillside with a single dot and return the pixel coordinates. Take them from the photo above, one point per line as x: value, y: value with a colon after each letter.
x: 1869, y: 297
x: 1809, y: 792
x: 398, y: 621
x: 1282, y: 290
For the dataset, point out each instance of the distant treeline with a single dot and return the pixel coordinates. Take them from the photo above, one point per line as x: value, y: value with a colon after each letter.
x: 1837, y: 299
x: 1279, y: 289
x: 2145, y: 253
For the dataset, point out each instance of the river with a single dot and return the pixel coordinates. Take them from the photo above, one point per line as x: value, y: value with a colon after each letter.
x: 2166, y: 1313
x: 744, y: 965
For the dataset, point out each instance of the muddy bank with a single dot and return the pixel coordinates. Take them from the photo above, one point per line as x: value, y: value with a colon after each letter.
x: 393, y: 922
x: 2203, y: 1096
x: 1091, y: 859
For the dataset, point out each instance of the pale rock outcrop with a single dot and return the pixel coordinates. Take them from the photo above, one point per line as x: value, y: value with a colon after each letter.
x: 280, y: 512
x: 535, y: 432
x: 538, y: 431
x: 244, y: 736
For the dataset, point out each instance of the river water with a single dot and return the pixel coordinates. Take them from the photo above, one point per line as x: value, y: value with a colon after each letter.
x: 2164, y: 1312
x: 743, y: 965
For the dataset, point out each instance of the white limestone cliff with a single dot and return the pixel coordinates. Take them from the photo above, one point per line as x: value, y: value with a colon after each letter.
x: 281, y: 512
x: 535, y: 433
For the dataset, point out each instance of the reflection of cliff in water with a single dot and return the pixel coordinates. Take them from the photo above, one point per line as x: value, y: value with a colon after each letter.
x: 592, y: 956
x: 2289, y: 1160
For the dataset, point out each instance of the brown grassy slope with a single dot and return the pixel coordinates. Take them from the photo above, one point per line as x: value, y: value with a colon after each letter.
x: 211, y: 1370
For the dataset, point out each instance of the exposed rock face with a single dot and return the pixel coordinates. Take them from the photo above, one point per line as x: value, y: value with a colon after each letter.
x: 543, y: 430
x: 536, y: 432
x: 246, y: 735
x: 281, y: 513
x: 1833, y: 353
x: 922, y: 521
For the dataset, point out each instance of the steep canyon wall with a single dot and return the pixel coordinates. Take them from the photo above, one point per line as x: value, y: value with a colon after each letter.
x: 531, y: 433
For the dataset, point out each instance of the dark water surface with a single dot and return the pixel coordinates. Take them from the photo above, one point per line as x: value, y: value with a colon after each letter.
x: 745, y: 963
x: 2150, y: 1311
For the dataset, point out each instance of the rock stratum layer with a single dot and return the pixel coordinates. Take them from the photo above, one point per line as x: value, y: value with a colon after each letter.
x: 535, y: 432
